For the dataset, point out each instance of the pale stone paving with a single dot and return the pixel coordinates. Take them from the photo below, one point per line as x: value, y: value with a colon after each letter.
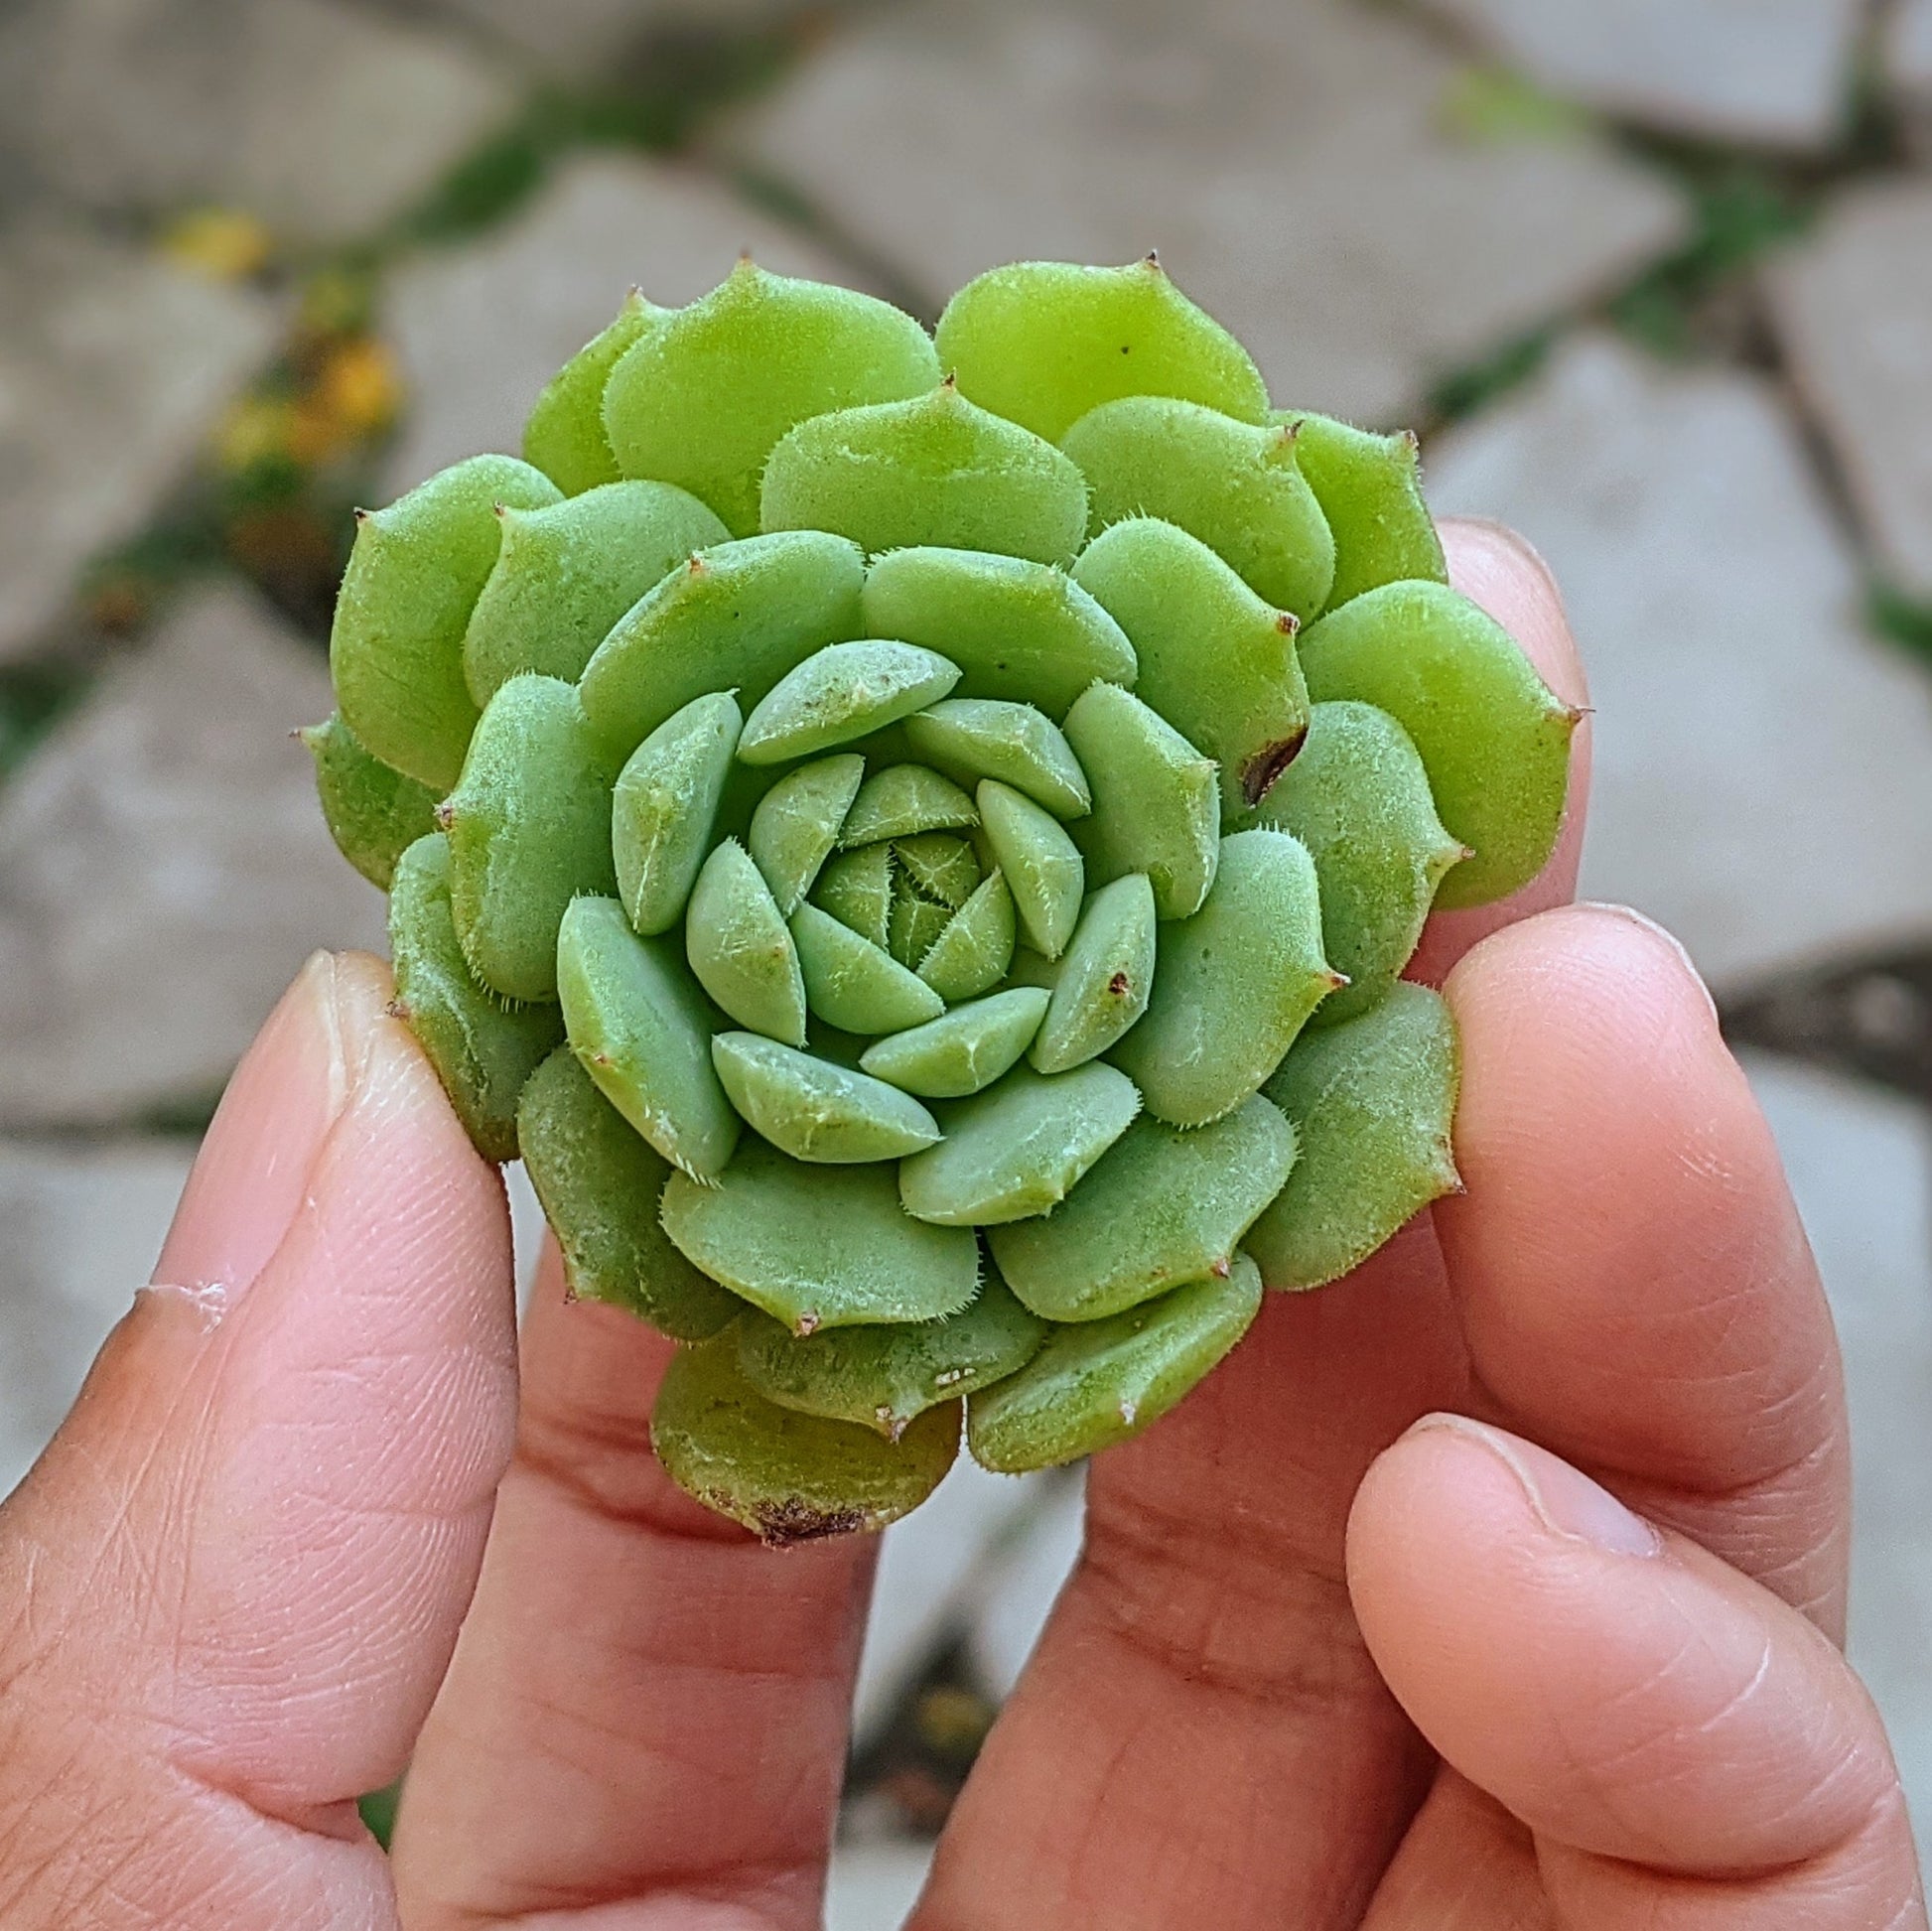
x: 1763, y: 766
x: 1852, y: 307
x: 99, y: 420
x: 1777, y: 71
x: 324, y: 119
x: 580, y: 39
x: 164, y: 871
x: 480, y: 330
x: 1908, y: 54
x: 1288, y: 156
x: 83, y: 1228
x: 1861, y: 1166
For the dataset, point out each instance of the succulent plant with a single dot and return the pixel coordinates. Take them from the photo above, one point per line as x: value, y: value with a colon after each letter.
x: 914, y: 840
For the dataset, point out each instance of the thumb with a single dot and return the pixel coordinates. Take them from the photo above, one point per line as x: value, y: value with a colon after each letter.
x: 233, y: 1581
x: 1688, y: 1751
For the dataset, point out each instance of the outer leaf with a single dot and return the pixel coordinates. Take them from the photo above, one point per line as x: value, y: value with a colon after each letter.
x: 375, y: 813
x: 1099, y: 1382
x: 1493, y: 737
x: 482, y: 1048
x: 819, y: 1246
x: 395, y: 651
x: 788, y: 1477
x: 884, y: 1376
x: 1373, y: 1100
x: 599, y: 1180
x: 1044, y: 342
x: 936, y: 470
x: 702, y: 399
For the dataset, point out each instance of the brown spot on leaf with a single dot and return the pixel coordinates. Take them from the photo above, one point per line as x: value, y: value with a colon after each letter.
x: 1117, y: 985
x: 444, y: 814
x: 1259, y: 773
x: 786, y: 1523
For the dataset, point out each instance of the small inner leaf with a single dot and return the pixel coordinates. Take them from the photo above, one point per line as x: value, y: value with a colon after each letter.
x: 796, y: 827
x: 884, y: 1376
x: 965, y: 1049
x: 815, y: 1110
x: 665, y: 811
x: 854, y: 984
x: 971, y: 737
x: 840, y: 693
x: 1041, y: 865
x: 641, y: 1025
x: 741, y: 948
x: 903, y: 799
x: 1105, y: 980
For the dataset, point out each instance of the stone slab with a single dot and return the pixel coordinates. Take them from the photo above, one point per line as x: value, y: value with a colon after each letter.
x: 582, y: 39
x: 1763, y: 767
x: 929, y: 1566
x: 1288, y: 158
x: 1772, y: 71
x: 479, y: 328
x: 874, y: 1886
x: 1018, y: 1593
x: 164, y: 869
x: 1853, y: 309
x: 1909, y: 51
x: 1861, y: 1166
x: 83, y: 1229
x: 324, y: 119
x: 99, y: 419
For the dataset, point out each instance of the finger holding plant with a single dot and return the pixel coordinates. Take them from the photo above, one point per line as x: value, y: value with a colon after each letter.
x: 915, y: 842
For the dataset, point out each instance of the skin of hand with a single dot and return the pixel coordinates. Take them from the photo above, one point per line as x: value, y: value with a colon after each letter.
x: 1498, y: 1586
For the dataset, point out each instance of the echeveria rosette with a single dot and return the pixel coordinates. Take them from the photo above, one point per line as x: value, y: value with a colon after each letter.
x: 916, y: 841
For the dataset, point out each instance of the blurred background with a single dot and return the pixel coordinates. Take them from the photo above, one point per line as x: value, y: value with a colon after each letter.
x: 1653, y: 278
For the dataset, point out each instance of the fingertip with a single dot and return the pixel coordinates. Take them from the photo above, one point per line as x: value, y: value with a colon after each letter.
x: 1613, y: 964
x: 1622, y: 1692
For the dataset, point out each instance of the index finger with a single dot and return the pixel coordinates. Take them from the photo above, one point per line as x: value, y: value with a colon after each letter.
x: 1631, y: 1276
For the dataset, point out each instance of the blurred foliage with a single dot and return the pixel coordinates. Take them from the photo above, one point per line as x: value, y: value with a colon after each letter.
x: 677, y: 81
x: 284, y: 468
x: 378, y: 1810
x: 1903, y: 620
x: 1740, y: 210
x: 1463, y: 392
x: 223, y: 243
x: 32, y: 697
x: 1497, y: 104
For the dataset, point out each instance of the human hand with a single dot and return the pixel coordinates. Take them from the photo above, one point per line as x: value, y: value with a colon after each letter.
x: 1322, y: 1664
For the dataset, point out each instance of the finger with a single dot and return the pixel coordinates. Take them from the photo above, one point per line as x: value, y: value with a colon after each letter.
x: 235, y: 1578
x: 1689, y: 1751
x: 1200, y: 1737
x: 1497, y: 569
x: 1467, y: 1864
x: 647, y: 1710
x: 1632, y: 1277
